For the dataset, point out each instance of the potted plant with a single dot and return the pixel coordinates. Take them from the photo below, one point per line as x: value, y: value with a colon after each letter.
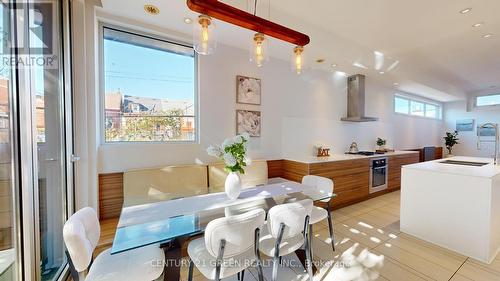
x: 381, y: 143
x: 233, y: 153
x: 450, y: 140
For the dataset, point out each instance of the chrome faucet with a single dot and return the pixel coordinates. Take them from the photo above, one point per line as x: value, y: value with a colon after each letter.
x: 497, y: 138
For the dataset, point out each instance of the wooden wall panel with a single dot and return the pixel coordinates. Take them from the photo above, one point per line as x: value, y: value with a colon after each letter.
x: 294, y: 171
x: 275, y: 168
x: 110, y: 195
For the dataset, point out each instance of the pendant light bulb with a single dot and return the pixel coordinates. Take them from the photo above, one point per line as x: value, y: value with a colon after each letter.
x: 204, y: 40
x: 259, y: 51
x: 298, y: 59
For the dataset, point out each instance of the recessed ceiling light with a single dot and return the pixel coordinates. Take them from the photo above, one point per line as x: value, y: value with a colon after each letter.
x: 465, y: 11
x: 320, y: 60
x: 477, y: 24
x: 487, y: 35
x: 188, y: 20
x: 151, y: 9
x: 334, y: 65
x: 396, y: 84
x: 381, y: 72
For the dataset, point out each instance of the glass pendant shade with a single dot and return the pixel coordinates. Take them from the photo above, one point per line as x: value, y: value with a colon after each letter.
x: 259, y: 51
x: 204, y: 36
x: 297, y: 61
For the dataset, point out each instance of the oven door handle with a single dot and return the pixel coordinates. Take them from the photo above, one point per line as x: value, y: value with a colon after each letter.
x: 378, y: 168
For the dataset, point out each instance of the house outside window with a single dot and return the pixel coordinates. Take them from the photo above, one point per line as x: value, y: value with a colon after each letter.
x: 149, y: 89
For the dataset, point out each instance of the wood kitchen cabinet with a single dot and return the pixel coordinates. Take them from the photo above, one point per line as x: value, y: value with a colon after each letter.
x: 394, y: 166
x: 351, y: 177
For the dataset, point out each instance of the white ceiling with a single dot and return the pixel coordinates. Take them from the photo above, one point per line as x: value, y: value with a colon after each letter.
x: 433, y: 49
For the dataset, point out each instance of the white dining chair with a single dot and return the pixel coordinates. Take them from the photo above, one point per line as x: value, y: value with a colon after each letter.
x: 81, y: 233
x: 229, y: 246
x: 287, y: 231
x: 323, y: 185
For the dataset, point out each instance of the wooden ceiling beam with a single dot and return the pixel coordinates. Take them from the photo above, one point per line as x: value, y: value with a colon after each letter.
x: 230, y: 14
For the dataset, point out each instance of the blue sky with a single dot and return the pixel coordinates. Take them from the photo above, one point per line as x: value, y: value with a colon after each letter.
x: 145, y: 72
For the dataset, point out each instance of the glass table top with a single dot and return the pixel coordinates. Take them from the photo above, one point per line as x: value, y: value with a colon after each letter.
x: 164, y: 221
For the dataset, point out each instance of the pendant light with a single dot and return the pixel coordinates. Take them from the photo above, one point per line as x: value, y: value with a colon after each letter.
x: 204, y: 36
x: 297, y: 61
x: 259, y: 51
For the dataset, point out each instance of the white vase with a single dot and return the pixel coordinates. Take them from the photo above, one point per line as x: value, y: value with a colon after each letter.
x: 233, y: 185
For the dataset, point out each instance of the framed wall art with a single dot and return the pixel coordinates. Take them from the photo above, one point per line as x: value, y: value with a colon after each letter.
x: 248, y: 90
x: 248, y: 121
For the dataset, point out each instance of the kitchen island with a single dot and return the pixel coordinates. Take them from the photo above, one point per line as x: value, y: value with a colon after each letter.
x: 454, y: 204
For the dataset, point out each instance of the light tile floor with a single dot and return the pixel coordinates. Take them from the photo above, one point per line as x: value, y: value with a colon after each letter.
x: 369, y: 246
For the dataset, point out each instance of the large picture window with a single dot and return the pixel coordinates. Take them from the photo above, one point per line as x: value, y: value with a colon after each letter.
x: 410, y: 106
x: 149, y: 89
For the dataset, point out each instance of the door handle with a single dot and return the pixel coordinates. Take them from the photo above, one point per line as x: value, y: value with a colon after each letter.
x: 75, y: 158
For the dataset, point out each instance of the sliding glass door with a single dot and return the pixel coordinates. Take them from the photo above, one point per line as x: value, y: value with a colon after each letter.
x: 36, y: 194
x: 9, y: 259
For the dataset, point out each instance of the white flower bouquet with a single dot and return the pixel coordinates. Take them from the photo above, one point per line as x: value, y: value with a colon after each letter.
x: 233, y: 153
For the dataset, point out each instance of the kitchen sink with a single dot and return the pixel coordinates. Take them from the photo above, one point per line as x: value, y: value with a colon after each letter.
x: 464, y: 163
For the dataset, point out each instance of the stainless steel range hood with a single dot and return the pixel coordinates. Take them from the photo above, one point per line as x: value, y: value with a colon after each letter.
x: 356, y: 100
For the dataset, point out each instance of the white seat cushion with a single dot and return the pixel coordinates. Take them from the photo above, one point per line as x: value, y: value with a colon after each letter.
x: 287, y: 246
x: 139, y: 264
x: 205, y: 262
x: 318, y: 214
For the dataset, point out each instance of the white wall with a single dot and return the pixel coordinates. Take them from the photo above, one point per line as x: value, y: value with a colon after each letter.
x: 467, y: 143
x: 297, y: 112
x: 313, y: 116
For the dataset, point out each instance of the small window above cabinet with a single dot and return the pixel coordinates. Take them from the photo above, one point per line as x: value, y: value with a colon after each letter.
x: 417, y: 107
x: 489, y: 100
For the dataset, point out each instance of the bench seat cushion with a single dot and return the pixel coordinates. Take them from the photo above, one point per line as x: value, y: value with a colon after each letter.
x: 166, y: 183
x: 255, y: 174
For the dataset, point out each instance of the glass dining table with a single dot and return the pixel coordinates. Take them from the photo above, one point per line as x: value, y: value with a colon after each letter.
x: 171, y: 223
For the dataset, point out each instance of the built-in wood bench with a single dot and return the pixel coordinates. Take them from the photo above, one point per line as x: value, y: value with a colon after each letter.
x: 111, y: 198
x: 108, y: 230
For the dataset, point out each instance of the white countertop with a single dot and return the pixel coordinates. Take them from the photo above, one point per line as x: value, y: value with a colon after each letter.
x: 486, y: 171
x: 343, y: 157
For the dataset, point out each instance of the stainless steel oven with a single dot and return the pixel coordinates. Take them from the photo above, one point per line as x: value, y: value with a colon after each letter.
x: 378, y: 174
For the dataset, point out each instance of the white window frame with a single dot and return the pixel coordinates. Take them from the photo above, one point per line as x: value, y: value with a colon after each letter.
x: 102, y: 93
x: 486, y: 106
x: 424, y: 101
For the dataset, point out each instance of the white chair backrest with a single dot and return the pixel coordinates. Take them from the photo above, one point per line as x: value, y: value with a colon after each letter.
x: 322, y: 184
x: 81, y: 234
x: 293, y: 215
x: 238, y: 231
